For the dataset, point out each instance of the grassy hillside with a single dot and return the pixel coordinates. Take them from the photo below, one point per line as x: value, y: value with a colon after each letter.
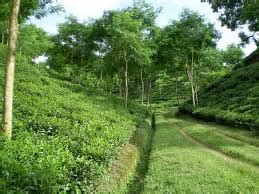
x: 65, y: 136
x: 233, y: 99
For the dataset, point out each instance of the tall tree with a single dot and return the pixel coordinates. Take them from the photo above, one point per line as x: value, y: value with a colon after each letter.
x: 9, y: 77
x: 236, y: 13
x: 33, y: 41
x: 73, y: 48
x: 126, y: 42
x: 36, y: 8
x: 145, y: 12
x: 185, y: 39
x: 233, y: 55
x: 125, y: 47
x: 211, y: 66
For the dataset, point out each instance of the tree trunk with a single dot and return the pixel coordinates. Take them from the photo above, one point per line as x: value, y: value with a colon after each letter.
x: 72, y: 56
x: 176, y: 88
x: 142, y: 87
x: 81, y: 70
x: 193, y: 95
x: 2, y: 37
x: 67, y: 71
x: 150, y: 87
x: 110, y: 89
x: 80, y: 75
x: 126, y: 81
x: 190, y: 73
x: 7, y: 32
x: 190, y: 77
x: 120, y: 87
x: 196, y: 95
x: 149, y: 93
x: 100, y: 80
x: 9, y: 76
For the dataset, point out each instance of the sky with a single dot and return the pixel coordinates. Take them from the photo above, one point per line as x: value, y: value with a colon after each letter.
x: 87, y: 9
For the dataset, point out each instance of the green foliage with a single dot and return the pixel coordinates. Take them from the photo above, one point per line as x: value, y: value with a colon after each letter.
x: 191, y: 32
x: 232, y: 99
x: 188, y: 46
x: 233, y: 55
x: 33, y: 41
x: 3, y: 53
x: 73, y: 49
x: 236, y: 13
x: 65, y: 137
x: 164, y: 88
x: 180, y: 165
x: 29, y: 8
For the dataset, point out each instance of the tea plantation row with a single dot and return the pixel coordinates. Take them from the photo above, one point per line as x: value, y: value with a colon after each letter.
x: 232, y: 100
x: 65, y: 136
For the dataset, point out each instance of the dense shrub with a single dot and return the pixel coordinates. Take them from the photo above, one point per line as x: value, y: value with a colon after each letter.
x: 65, y: 136
x: 232, y: 100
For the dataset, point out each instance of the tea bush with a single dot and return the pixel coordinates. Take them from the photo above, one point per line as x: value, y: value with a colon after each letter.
x: 232, y: 100
x: 65, y: 135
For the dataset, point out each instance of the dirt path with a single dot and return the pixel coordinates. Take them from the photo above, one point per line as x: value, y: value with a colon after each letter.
x: 181, y: 164
x: 216, y: 152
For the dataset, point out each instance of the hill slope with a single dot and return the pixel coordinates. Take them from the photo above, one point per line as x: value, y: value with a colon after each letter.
x: 233, y: 99
x: 65, y: 136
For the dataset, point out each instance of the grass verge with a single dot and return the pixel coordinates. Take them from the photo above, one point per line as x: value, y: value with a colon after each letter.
x: 209, y: 136
x: 178, y: 165
x: 127, y: 172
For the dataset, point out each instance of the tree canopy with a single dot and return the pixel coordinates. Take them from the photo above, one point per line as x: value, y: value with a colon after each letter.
x: 236, y: 13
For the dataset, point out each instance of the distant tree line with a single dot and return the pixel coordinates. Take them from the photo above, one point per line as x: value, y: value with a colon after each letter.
x: 126, y: 53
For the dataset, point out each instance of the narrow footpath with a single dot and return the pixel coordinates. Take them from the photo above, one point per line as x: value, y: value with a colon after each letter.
x: 189, y: 156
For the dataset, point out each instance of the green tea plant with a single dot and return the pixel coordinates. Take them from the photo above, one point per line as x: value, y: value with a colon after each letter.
x: 65, y: 136
x: 237, y: 104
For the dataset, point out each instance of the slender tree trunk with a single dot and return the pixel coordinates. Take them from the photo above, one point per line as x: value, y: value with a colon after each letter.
x: 120, y: 79
x: 107, y: 84
x: 142, y: 87
x: 126, y: 81
x: 7, y: 32
x: 80, y: 75
x: 149, y: 93
x: 120, y: 87
x: 190, y: 73
x: 100, y: 80
x: 72, y: 56
x: 2, y: 37
x: 110, y: 89
x: 67, y: 71
x: 150, y: 96
x: 126, y: 84
x: 81, y: 70
x: 196, y: 95
x: 9, y: 76
x: 176, y: 88
x: 190, y: 77
x: 193, y: 95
